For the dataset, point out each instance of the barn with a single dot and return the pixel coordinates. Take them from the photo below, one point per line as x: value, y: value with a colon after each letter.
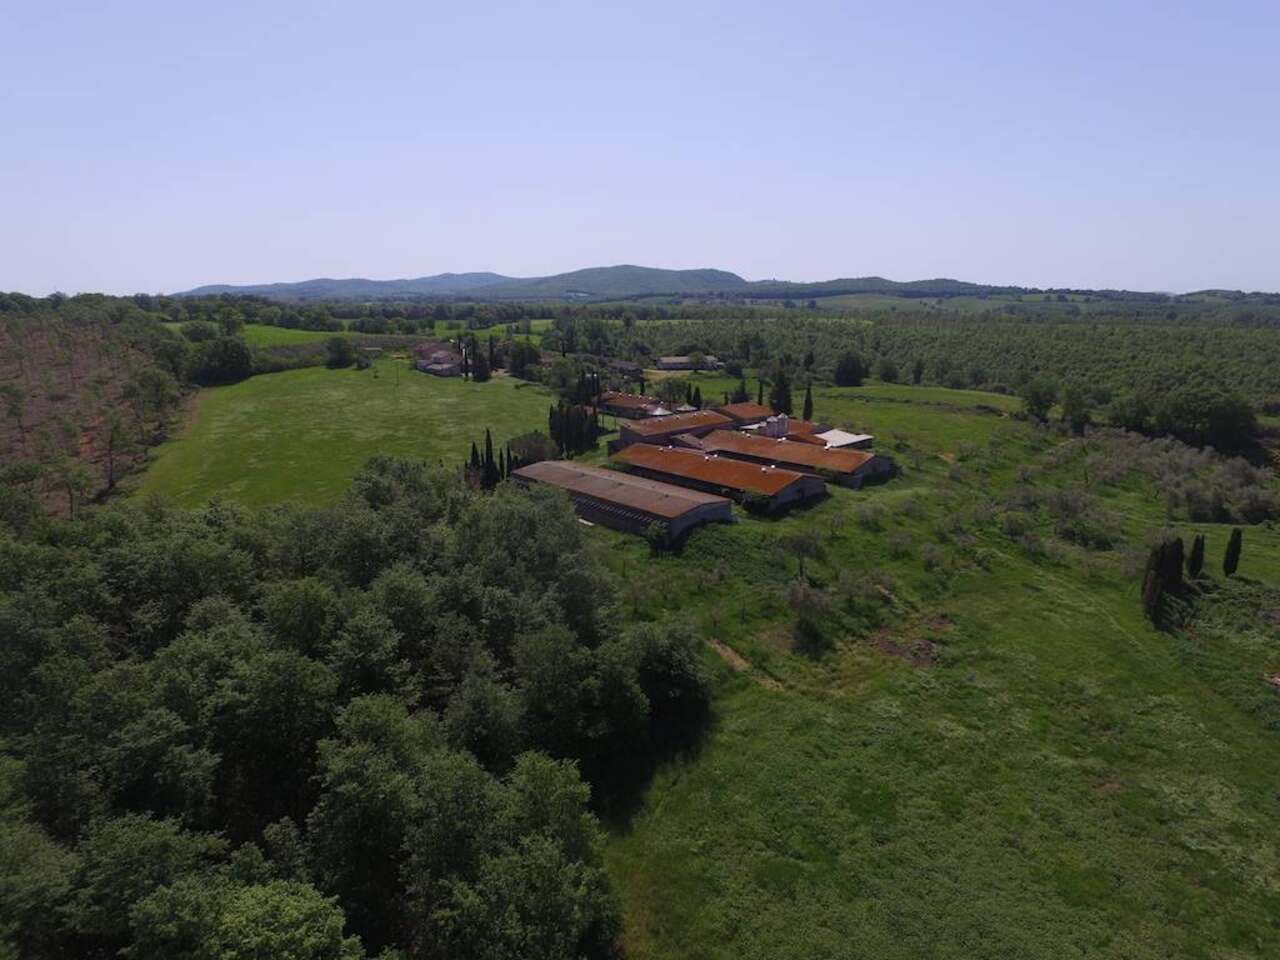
x: 850, y: 468
x: 626, y: 502
x: 660, y: 430
x: 704, y: 471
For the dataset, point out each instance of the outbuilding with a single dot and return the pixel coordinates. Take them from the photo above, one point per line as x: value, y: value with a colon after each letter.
x: 660, y: 430
x: 627, y: 502
x: 703, y: 471
x: 849, y: 468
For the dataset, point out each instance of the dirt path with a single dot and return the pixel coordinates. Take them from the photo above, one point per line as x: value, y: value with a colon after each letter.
x: 741, y: 664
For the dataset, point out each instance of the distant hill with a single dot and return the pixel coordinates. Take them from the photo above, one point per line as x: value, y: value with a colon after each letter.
x: 627, y: 281
x: 326, y: 288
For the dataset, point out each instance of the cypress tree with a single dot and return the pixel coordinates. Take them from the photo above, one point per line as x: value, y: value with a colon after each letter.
x: 697, y: 397
x: 1195, y: 563
x: 490, y: 468
x: 760, y: 393
x: 780, y: 395
x: 808, y: 401
x: 1231, y: 559
x: 510, y: 462
x: 492, y: 364
x: 1171, y: 572
x: 502, y: 465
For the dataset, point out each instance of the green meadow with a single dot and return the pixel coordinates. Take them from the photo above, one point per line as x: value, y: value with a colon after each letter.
x: 302, y: 434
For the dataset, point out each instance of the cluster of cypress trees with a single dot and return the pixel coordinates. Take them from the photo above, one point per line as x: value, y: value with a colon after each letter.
x: 1165, y: 567
x: 587, y: 389
x: 693, y: 395
x: 573, y: 427
x: 485, y: 471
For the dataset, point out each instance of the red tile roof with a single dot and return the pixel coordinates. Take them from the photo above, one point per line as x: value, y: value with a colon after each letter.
x: 721, y: 471
x: 679, y: 423
x: 786, y: 452
x: 746, y: 411
x: 636, y: 400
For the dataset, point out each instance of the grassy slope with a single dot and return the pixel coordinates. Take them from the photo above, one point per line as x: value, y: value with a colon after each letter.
x: 1064, y: 781
x: 303, y: 433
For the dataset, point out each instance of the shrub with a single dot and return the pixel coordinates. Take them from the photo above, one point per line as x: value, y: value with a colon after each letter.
x: 900, y: 544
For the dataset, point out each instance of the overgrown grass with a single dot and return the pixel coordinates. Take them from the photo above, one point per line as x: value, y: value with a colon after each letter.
x: 302, y: 434
x: 995, y: 755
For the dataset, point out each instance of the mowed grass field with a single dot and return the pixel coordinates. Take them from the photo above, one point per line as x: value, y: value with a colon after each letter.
x: 302, y: 434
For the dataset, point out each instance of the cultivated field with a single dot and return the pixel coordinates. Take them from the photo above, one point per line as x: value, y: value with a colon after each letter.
x: 302, y: 434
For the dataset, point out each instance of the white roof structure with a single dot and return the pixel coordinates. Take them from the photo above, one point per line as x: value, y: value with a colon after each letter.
x: 835, y: 439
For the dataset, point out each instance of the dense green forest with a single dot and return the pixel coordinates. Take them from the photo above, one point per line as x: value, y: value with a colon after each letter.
x: 232, y: 733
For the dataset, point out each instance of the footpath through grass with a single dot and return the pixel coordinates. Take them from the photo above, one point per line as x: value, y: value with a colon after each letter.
x: 302, y: 434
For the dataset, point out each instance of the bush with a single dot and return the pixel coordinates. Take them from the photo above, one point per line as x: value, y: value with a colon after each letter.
x: 340, y: 353
x: 900, y: 544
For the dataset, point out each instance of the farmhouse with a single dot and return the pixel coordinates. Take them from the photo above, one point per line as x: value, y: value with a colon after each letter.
x: 743, y: 414
x: 632, y: 406
x: 850, y: 468
x: 627, y: 502
x: 437, y: 359
x: 722, y: 474
x: 661, y: 429
x: 708, y: 362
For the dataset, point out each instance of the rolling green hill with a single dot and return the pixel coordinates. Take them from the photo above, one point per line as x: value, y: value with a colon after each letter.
x: 627, y: 281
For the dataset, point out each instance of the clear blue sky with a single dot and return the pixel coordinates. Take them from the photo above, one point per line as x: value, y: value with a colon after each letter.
x: 156, y: 146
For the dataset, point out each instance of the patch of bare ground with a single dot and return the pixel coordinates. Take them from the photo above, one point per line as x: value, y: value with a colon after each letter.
x: 740, y: 664
x: 1108, y: 789
x: 915, y: 641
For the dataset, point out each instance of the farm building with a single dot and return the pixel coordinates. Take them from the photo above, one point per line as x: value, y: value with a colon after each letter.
x: 627, y: 502
x: 843, y: 440
x: 437, y: 359
x: 632, y: 406
x: 721, y: 474
x: 709, y: 362
x: 661, y: 429
x: 782, y: 425
x: 743, y: 414
x: 850, y: 468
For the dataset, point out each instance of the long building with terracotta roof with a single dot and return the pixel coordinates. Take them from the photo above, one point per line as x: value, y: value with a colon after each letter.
x: 625, y: 501
x: 745, y: 412
x: 849, y: 468
x: 661, y: 429
x: 704, y: 471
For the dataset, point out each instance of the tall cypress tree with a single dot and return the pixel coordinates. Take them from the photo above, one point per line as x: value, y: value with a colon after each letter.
x: 760, y: 393
x: 780, y: 394
x: 1195, y: 562
x: 808, y: 401
x: 697, y: 397
x: 1231, y: 559
x: 502, y: 465
x: 490, y: 465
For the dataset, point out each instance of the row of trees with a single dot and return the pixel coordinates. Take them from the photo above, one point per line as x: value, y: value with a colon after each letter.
x: 1166, y: 562
x: 325, y: 733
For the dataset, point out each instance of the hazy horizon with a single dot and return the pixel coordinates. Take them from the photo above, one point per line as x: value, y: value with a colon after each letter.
x: 1125, y: 145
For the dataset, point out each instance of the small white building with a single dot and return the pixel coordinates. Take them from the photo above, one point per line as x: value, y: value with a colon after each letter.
x: 841, y: 439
